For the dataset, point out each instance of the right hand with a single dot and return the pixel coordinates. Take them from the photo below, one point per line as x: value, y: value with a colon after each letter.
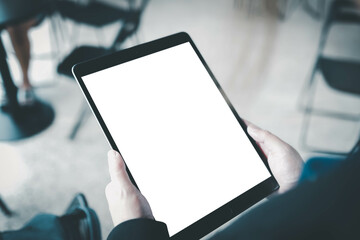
x: 284, y: 161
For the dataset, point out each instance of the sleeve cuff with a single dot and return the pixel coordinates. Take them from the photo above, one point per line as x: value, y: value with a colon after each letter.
x: 140, y: 228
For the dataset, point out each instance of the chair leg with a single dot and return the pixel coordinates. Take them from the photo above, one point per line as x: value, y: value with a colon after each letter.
x: 84, y: 113
x: 306, y: 89
x: 310, y: 95
x: 54, y: 38
x: 5, y: 208
x: 308, y: 112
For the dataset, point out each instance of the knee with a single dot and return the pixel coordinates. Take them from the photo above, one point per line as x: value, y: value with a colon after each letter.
x: 18, y: 34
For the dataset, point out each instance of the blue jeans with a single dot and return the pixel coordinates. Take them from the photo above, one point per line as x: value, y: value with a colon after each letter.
x: 317, y: 166
x: 41, y: 227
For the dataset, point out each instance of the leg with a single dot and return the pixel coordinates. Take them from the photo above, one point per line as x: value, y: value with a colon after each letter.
x: 41, y: 227
x: 20, y: 41
x: 79, y: 223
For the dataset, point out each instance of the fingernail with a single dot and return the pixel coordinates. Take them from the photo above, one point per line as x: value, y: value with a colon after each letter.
x: 112, y: 158
x: 112, y: 154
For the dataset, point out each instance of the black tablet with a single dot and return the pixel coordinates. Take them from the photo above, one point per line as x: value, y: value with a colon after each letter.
x: 184, y: 145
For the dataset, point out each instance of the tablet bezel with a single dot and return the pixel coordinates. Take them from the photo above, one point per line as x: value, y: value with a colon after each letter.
x: 229, y: 210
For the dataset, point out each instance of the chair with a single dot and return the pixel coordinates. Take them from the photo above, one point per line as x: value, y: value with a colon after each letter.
x: 340, y: 74
x: 97, y: 15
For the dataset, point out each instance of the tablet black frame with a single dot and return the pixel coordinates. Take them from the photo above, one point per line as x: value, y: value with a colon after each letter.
x: 229, y: 210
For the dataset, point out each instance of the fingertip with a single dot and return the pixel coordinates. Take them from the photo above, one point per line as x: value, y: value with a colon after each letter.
x: 253, y: 131
x: 114, y: 160
x: 114, y: 156
x: 112, y: 153
x: 117, y: 168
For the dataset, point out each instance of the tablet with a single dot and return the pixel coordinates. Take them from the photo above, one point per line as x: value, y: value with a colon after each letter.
x: 184, y: 145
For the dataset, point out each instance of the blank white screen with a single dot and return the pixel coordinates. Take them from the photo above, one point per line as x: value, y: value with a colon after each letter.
x: 184, y: 147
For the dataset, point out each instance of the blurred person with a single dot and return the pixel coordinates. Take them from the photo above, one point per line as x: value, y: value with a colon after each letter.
x: 322, y: 207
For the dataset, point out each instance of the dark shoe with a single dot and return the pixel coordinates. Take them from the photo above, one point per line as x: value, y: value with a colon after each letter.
x: 80, y: 222
x: 79, y: 201
x: 4, y: 101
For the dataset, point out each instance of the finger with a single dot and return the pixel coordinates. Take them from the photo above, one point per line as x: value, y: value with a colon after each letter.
x: 267, y: 140
x: 117, y: 169
x: 251, y: 126
x: 255, y: 132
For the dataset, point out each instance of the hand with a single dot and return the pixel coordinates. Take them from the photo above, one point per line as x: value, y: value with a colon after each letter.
x: 285, y: 162
x: 124, y: 199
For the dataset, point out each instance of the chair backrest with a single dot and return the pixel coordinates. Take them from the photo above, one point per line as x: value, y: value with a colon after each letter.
x: 131, y: 23
x: 95, y: 13
x: 341, y: 11
x: 340, y: 74
x: 99, y: 14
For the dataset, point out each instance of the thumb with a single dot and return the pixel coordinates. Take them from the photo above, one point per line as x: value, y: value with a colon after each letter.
x: 117, y: 169
x: 267, y: 140
x: 256, y: 133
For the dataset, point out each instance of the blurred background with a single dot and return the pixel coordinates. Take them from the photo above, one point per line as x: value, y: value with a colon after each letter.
x: 289, y: 66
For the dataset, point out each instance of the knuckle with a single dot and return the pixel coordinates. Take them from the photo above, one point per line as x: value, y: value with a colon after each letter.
x: 114, y: 191
x: 288, y: 148
x: 108, y: 189
x: 267, y: 134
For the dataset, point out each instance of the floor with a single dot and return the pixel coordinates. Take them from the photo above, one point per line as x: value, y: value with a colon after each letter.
x: 261, y: 62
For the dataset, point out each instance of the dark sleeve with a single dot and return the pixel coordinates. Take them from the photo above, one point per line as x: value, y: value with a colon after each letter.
x: 328, y: 208
x: 139, y: 229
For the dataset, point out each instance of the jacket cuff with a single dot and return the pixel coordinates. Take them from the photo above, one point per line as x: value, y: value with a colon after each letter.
x: 140, y: 228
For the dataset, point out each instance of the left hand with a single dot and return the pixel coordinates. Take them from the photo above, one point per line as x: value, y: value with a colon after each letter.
x: 125, y: 201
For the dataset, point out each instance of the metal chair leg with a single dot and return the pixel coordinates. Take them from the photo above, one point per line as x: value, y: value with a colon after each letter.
x: 308, y: 112
x: 84, y: 113
x: 4, y: 208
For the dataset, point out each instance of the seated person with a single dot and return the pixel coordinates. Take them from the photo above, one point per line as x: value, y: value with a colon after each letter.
x: 321, y: 207
x: 327, y: 208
